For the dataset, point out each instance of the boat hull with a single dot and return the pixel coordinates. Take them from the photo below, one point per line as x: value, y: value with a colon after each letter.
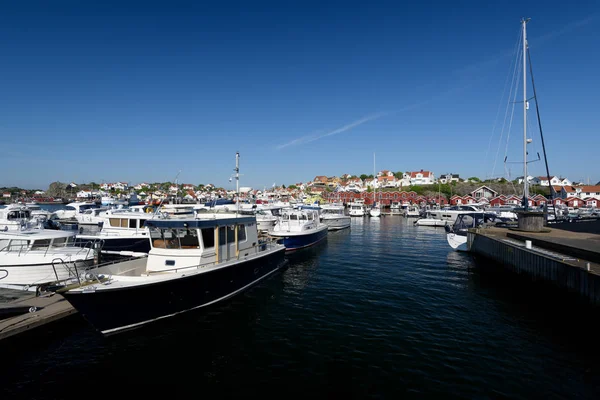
x: 334, y: 224
x: 294, y: 241
x: 431, y: 222
x: 119, y: 309
x: 457, y: 242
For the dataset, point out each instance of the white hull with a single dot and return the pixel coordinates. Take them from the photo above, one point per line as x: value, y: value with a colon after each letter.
x: 430, y: 222
x: 337, y: 222
x: 37, y: 269
x: 457, y: 242
x: 375, y: 212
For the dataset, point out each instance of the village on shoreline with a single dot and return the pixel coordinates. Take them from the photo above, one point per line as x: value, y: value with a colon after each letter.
x: 387, y: 187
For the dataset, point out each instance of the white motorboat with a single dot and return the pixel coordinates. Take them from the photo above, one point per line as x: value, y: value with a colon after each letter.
x: 456, y: 234
x: 333, y: 216
x: 430, y: 221
x: 299, y: 228
x: 32, y: 257
x: 71, y: 210
x: 356, y: 208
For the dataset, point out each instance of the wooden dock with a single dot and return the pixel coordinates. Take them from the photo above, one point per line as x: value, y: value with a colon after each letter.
x: 32, y: 312
x: 569, y: 260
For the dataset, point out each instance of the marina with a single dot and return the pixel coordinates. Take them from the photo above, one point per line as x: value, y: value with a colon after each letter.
x: 464, y: 263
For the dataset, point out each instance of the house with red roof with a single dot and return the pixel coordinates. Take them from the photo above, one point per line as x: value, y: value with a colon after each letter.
x: 420, y: 177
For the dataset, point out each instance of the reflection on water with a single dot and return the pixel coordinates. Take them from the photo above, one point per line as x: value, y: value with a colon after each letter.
x: 303, y: 264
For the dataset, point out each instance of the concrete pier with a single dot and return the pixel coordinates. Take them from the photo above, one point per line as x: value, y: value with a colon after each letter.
x: 33, y: 312
x: 569, y: 260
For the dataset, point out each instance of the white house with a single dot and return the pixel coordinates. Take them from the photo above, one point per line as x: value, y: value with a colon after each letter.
x: 84, y: 194
x: 585, y: 192
x: 6, y: 195
x: 420, y: 177
x: 565, y: 182
x: 449, y: 178
x: 120, y: 186
x: 530, y: 179
x: 554, y: 181
x: 355, y: 185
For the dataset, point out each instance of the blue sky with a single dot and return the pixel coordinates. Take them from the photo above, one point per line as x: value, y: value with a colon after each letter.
x: 138, y: 91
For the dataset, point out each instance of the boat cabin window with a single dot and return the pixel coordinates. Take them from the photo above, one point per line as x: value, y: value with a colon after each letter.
x: 40, y: 244
x: 19, y: 243
x: 60, y: 242
x: 208, y: 238
x: 231, y: 234
x: 21, y: 214
x: 177, y: 239
x: 124, y: 223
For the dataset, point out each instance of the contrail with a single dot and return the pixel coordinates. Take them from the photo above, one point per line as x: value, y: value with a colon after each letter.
x: 347, y: 127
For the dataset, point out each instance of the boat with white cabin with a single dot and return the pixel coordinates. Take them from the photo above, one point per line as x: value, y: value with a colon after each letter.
x: 334, y: 217
x: 192, y: 263
x: 32, y: 257
x: 299, y: 228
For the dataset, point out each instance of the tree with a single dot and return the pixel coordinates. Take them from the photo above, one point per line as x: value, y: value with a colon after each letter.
x: 283, y: 186
x: 399, y: 175
x: 364, y: 176
x: 474, y: 179
x: 293, y: 187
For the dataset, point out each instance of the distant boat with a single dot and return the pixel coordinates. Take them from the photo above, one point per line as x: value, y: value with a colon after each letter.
x: 333, y: 216
x: 375, y: 211
x: 297, y: 229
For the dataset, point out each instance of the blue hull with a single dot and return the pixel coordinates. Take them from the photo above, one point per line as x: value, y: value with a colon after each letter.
x: 292, y: 243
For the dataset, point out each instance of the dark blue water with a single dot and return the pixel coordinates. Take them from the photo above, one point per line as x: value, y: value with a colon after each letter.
x: 383, y: 310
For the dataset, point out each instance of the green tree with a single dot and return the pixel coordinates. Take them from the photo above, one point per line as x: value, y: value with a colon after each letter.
x: 474, y: 179
x: 293, y: 187
x: 364, y: 176
x: 398, y: 175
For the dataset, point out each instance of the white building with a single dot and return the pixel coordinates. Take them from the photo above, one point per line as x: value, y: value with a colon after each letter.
x: 420, y: 177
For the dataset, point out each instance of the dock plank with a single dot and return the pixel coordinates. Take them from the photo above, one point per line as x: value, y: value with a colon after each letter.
x: 48, y: 309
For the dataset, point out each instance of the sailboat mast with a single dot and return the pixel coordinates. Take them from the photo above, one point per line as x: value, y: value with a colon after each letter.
x: 237, y: 181
x: 526, y: 183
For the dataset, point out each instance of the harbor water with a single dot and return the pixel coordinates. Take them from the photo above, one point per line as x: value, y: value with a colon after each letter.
x: 384, y: 309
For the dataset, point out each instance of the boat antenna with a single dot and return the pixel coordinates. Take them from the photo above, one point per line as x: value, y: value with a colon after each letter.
x: 537, y: 111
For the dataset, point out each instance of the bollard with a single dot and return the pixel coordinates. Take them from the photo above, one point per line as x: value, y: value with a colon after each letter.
x: 528, y: 244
